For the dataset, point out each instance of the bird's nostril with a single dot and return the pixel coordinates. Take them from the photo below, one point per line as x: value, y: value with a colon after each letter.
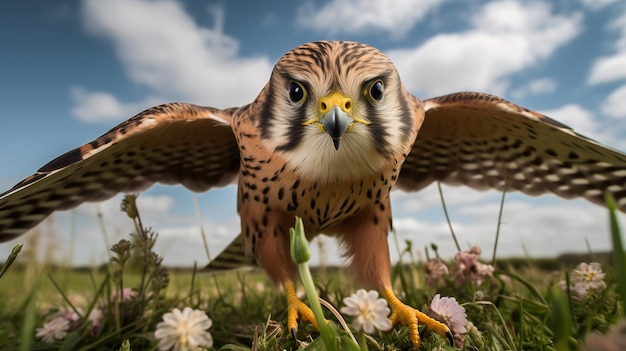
x: 348, y: 105
x: 323, y: 106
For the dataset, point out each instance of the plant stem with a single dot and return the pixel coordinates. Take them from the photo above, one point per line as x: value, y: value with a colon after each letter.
x: 300, y: 254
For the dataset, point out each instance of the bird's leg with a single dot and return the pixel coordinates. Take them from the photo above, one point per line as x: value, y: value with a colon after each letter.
x: 411, y: 317
x: 365, y: 239
x: 296, y: 308
x: 272, y: 253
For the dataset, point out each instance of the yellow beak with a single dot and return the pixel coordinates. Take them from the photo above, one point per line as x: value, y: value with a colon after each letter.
x: 336, y: 116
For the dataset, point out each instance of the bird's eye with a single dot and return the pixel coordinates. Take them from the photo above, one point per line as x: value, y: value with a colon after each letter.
x: 296, y: 92
x: 376, y: 90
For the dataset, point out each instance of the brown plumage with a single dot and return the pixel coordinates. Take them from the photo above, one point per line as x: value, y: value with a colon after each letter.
x: 326, y: 139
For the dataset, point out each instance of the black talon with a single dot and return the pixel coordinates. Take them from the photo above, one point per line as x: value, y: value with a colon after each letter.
x: 450, y: 337
x: 293, y: 335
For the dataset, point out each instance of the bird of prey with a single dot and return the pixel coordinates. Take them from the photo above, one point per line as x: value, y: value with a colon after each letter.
x: 327, y: 139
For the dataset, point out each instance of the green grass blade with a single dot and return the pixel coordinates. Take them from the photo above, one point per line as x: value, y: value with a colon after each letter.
x: 560, y: 319
x: 495, y: 243
x: 445, y: 212
x: 619, y: 259
x: 500, y: 332
x: 71, y: 340
x: 30, y: 316
x: 531, y: 288
x: 62, y: 293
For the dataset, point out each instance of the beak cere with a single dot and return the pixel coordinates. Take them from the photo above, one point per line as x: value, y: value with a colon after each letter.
x: 336, y: 123
x: 336, y: 111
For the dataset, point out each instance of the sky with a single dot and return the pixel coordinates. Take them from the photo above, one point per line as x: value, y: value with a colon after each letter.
x: 71, y: 70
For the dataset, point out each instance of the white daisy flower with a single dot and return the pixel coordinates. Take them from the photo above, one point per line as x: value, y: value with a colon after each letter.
x: 370, y: 311
x: 589, y: 274
x: 184, y: 331
x: 56, y: 329
x: 585, y: 279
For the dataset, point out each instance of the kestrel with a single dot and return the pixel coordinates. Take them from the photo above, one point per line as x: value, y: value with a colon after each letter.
x: 327, y: 139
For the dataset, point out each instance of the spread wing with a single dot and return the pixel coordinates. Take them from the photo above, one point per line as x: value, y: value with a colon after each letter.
x: 483, y: 141
x: 172, y: 143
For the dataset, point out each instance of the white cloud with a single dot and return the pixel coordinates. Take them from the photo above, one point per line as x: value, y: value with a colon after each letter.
x: 608, y: 69
x: 542, y: 227
x: 505, y: 37
x: 612, y: 68
x: 597, y: 4
x: 165, y: 51
x: 619, y: 24
x: 179, y: 235
x: 576, y: 117
x: 395, y: 17
x: 181, y: 246
x: 428, y: 198
x: 103, y: 106
x: 150, y: 207
x: 535, y: 87
x: 615, y: 104
x: 545, y: 227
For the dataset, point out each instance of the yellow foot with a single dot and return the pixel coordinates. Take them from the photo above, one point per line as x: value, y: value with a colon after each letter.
x: 296, y: 308
x: 409, y: 316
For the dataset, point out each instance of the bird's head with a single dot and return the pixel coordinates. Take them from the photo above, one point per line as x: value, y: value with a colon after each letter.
x: 336, y: 110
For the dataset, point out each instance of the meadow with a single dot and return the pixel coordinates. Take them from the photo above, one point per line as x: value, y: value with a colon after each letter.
x: 521, y: 304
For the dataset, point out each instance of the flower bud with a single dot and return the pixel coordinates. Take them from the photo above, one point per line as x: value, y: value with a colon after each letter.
x: 300, y: 252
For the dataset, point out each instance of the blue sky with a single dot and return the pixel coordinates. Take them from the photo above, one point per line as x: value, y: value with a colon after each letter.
x: 71, y: 70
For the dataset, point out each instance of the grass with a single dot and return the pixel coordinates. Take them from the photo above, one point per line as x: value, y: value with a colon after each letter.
x: 520, y: 306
